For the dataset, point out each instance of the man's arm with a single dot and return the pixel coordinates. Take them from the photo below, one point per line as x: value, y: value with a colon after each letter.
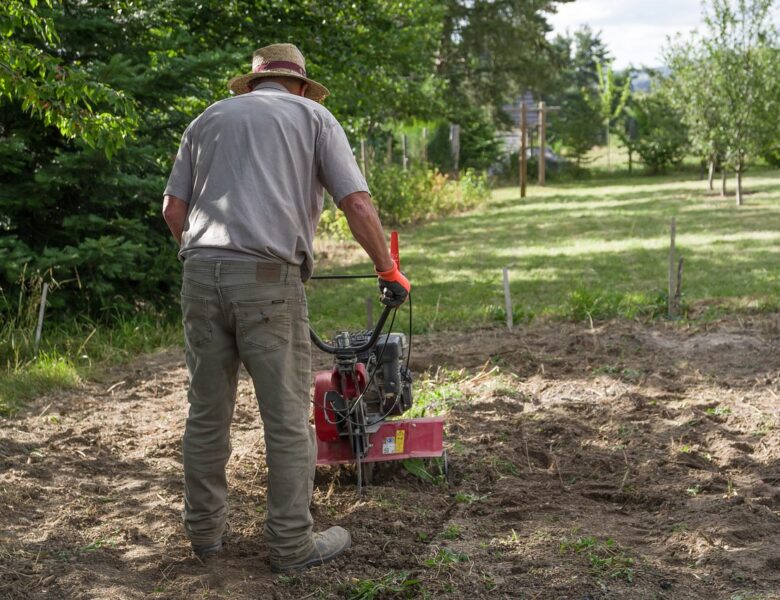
x: 365, y: 226
x: 367, y: 229
x: 175, y: 214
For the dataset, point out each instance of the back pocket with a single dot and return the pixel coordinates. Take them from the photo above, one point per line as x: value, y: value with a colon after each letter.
x: 264, y: 324
x: 195, y: 317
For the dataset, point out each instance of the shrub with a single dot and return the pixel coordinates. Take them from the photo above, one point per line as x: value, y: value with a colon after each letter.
x: 403, y: 197
x: 662, y: 138
x: 418, y: 194
x: 479, y: 146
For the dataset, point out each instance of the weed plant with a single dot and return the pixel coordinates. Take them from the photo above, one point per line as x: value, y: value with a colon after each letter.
x: 395, y: 584
x: 606, y: 557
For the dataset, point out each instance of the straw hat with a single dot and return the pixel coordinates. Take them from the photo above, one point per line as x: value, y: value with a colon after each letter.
x: 274, y: 61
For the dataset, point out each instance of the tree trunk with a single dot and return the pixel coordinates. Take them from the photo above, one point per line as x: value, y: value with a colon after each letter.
x: 630, y: 160
x: 739, y: 185
x: 711, y: 175
x: 723, y: 182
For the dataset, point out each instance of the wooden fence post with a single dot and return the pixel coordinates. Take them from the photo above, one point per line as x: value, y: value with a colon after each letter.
x: 41, y: 312
x: 523, y: 148
x: 455, y: 148
x: 670, y: 301
x: 508, y: 300
x: 542, y: 142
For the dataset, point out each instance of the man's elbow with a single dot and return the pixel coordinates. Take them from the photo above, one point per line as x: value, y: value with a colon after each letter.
x: 357, y: 206
x: 174, y: 209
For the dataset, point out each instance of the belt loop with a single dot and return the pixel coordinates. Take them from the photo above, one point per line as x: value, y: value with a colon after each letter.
x: 216, y: 271
x: 286, y: 272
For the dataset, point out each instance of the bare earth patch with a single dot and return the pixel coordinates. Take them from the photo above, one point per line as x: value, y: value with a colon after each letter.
x: 625, y: 461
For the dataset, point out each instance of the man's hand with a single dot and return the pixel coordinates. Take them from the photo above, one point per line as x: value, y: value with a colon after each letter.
x: 393, y: 287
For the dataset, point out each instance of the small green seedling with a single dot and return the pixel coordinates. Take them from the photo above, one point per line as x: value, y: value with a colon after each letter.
x: 445, y: 556
x: 466, y: 498
x: 451, y: 533
x: 393, y: 584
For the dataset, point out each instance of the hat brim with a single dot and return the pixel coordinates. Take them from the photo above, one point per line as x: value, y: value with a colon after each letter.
x: 242, y: 83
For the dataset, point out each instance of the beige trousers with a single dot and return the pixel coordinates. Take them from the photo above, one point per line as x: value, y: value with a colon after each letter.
x: 253, y: 313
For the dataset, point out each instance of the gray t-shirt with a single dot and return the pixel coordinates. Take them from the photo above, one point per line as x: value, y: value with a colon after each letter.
x: 252, y: 169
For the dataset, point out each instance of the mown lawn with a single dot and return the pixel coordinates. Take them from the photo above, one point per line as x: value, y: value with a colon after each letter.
x: 593, y: 249
x: 597, y: 248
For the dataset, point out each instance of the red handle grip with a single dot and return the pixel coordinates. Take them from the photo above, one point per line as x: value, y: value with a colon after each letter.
x: 394, y: 254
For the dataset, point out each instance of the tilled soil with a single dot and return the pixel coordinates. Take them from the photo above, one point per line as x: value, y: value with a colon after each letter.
x: 623, y: 461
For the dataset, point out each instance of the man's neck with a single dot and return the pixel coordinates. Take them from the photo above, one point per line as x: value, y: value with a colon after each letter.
x: 270, y: 85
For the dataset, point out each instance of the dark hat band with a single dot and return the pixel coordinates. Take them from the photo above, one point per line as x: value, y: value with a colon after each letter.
x: 280, y: 64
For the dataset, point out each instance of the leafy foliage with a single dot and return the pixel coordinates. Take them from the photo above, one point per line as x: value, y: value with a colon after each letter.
x: 576, y: 128
x: 405, y: 197
x: 493, y: 50
x: 92, y: 224
x: 95, y: 94
x: 395, y: 584
x: 409, y: 196
x: 661, y: 138
x: 725, y: 83
x: 479, y: 146
x: 69, y: 98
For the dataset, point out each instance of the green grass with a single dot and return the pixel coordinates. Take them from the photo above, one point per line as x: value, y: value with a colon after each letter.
x: 594, y: 249
x: 588, y: 250
x: 72, y: 351
x: 45, y: 373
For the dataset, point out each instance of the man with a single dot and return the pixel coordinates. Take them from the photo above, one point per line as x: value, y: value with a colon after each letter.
x: 243, y: 200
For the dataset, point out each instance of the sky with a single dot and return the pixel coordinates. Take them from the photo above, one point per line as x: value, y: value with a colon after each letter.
x: 635, y: 31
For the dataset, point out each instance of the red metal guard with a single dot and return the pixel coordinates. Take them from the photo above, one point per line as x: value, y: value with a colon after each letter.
x: 324, y: 415
x: 395, y: 440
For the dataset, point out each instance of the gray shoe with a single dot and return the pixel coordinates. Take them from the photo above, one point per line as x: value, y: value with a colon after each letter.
x: 327, y: 546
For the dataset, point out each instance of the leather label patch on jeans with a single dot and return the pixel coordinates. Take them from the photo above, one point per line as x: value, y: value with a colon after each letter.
x: 268, y: 272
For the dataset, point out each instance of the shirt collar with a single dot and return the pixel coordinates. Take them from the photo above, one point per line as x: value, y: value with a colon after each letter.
x: 271, y: 85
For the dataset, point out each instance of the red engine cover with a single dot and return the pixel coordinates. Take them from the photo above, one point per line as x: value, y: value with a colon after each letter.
x: 326, y: 381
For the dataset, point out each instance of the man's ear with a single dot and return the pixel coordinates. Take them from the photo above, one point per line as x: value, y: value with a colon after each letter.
x: 303, y: 88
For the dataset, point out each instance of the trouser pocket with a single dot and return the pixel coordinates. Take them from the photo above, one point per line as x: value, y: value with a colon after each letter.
x: 265, y: 323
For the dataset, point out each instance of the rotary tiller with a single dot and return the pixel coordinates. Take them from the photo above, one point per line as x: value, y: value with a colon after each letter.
x: 357, y: 404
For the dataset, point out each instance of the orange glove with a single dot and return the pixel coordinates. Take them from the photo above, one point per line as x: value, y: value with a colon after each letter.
x: 393, y: 287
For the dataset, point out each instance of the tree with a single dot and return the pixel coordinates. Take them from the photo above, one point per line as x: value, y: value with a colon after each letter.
x: 590, y: 51
x: 726, y: 84
x: 611, y: 100
x: 575, y: 128
x: 660, y: 137
x: 65, y: 97
x: 491, y: 51
x: 71, y: 214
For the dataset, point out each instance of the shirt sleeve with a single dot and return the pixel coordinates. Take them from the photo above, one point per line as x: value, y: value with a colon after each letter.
x: 338, y: 170
x: 180, y: 180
